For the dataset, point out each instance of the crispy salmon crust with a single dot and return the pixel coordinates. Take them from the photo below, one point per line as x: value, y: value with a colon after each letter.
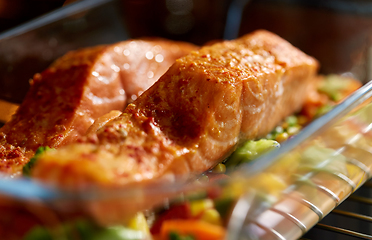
x: 65, y: 99
x: 192, y: 118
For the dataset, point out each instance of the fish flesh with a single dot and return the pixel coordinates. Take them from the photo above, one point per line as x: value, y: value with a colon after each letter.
x: 65, y: 99
x: 199, y: 111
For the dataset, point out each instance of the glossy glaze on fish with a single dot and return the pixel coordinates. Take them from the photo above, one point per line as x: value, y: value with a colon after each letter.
x: 65, y: 99
x: 192, y: 118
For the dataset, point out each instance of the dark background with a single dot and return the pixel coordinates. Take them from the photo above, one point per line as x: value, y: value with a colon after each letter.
x: 15, y: 12
x: 336, y: 32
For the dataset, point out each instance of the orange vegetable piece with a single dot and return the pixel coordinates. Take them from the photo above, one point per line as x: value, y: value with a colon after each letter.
x: 200, y: 230
x: 177, y: 211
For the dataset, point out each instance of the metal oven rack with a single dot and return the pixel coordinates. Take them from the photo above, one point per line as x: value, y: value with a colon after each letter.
x: 351, y: 220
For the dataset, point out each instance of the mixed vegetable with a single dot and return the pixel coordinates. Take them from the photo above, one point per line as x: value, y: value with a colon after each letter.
x: 26, y: 170
x: 205, y: 215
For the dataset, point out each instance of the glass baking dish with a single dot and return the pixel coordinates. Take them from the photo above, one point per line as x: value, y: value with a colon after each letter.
x: 328, y: 160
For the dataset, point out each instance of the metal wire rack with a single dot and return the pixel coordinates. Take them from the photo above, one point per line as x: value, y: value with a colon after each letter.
x: 349, y: 221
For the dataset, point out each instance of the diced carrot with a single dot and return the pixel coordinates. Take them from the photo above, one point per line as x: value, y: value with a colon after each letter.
x: 312, y: 103
x: 200, y: 230
x: 177, y: 211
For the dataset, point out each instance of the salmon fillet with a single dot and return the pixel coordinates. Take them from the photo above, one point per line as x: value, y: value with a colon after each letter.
x: 192, y: 118
x: 65, y: 99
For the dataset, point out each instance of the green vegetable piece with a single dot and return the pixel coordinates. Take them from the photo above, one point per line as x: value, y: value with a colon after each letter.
x: 336, y: 96
x: 250, y: 151
x: 38, y: 233
x: 278, y: 129
x: 26, y: 170
x: 118, y: 233
x: 176, y: 236
x: 83, y: 230
x: 270, y: 136
x: 332, y: 86
x: 291, y: 120
x: 323, y: 110
x: 275, y: 132
x: 224, y: 206
x: 40, y: 150
x: 79, y: 230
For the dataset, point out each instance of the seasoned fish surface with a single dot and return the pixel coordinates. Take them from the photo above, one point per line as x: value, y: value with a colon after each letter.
x: 65, y: 99
x: 193, y: 117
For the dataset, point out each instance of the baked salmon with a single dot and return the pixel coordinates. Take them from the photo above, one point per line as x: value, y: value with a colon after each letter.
x: 65, y: 99
x: 199, y: 111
